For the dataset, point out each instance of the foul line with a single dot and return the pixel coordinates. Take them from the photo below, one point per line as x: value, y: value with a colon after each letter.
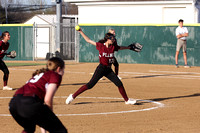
x: 159, y: 75
x: 159, y: 105
x: 174, y: 72
x: 35, y: 69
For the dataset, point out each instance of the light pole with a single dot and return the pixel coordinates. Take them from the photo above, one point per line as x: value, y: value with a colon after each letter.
x: 58, y: 16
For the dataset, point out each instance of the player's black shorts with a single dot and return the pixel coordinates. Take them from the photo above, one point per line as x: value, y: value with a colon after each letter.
x: 30, y: 111
x: 106, y: 71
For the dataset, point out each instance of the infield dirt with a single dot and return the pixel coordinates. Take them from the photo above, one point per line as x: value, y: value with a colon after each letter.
x: 177, y: 89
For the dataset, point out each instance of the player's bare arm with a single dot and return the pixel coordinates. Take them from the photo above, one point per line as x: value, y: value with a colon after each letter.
x: 182, y: 35
x: 87, y: 39
x: 185, y: 34
x: 179, y: 36
x: 51, y: 90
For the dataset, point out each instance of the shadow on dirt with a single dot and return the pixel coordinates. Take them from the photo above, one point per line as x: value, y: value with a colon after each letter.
x: 166, y: 98
x: 98, y: 102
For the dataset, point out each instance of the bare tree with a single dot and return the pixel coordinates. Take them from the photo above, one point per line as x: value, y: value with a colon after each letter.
x: 21, y: 10
x: 1, y: 11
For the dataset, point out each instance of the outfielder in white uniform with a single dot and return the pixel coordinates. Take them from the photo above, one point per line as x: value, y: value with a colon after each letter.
x: 181, y: 34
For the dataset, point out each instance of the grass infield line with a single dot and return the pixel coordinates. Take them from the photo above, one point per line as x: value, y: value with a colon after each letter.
x: 23, y: 64
x: 16, y: 25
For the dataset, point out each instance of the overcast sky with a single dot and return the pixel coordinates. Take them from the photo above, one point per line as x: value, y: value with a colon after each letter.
x: 28, y: 1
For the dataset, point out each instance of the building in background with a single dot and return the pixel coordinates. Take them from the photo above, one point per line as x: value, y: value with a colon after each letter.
x: 109, y: 12
x: 137, y: 12
x: 44, y: 34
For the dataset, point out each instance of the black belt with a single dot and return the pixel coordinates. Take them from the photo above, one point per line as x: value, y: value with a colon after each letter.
x: 29, y: 95
x: 26, y: 95
x: 182, y: 40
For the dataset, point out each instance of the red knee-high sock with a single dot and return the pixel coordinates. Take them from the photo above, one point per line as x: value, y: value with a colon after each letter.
x: 123, y: 93
x: 24, y: 131
x: 79, y: 91
x: 5, y: 79
x: 5, y: 83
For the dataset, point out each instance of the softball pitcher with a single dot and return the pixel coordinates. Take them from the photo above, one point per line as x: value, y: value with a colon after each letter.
x: 115, y: 62
x: 106, y: 53
x: 32, y: 104
x: 4, y: 45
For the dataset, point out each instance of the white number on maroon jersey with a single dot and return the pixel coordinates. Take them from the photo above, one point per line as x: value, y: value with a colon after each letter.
x: 36, y: 78
x: 111, y: 61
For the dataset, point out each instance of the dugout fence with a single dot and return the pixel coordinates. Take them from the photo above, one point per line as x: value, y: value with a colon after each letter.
x: 159, y: 42
x: 22, y: 40
x: 37, y: 41
x: 69, y: 38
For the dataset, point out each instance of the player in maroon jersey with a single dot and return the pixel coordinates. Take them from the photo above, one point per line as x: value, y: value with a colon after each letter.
x: 32, y: 104
x: 115, y: 62
x: 106, y: 54
x: 4, y: 45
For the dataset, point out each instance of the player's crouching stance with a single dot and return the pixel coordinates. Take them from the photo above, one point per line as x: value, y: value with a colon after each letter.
x: 106, y: 57
x: 32, y: 104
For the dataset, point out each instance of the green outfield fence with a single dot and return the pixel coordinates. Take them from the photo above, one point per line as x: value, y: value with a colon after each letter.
x: 159, y: 43
x: 22, y: 40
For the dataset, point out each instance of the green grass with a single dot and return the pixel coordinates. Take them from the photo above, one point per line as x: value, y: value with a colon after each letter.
x: 24, y: 64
